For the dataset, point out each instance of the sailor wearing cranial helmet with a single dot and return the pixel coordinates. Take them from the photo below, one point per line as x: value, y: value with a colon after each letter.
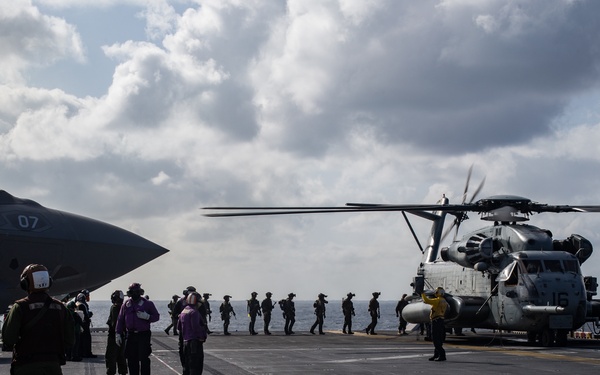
x: 37, y: 327
x: 438, y: 331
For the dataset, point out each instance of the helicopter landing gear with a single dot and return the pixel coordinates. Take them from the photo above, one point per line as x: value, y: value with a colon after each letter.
x: 547, y: 337
x: 561, y: 337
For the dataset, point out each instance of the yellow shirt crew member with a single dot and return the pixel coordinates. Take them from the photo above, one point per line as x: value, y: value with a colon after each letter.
x: 438, y: 331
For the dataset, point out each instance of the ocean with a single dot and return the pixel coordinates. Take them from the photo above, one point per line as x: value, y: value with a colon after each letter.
x: 304, y: 316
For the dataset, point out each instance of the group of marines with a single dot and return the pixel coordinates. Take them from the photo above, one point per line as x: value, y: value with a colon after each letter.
x: 264, y: 309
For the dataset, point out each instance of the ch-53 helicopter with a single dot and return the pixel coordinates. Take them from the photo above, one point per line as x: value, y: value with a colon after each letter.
x: 79, y: 252
x: 508, y: 276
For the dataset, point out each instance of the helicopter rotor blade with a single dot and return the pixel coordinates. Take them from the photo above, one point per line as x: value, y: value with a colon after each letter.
x: 350, y: 207
x: 478, y: 190
x: 564, y: 208
x: 448, y: 230
x: 464, y: 196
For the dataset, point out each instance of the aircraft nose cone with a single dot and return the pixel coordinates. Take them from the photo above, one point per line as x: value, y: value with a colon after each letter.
x: 114, y: 241
x: 101, y: 252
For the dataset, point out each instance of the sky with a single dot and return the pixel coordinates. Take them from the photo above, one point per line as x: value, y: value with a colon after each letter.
x: 140, y: 113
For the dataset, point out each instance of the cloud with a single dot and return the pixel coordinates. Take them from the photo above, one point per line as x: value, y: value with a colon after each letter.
x: 300, y: 103
x: 29, y: 38
x: 440, y: 83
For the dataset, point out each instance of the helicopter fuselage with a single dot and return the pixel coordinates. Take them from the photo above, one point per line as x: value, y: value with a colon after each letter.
x: 510, y: 277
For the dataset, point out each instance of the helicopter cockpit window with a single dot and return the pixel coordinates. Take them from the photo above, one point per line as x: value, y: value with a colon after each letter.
x: 553, y: 266
x: 506, y: 272
x: 571, y: 266
x: 533, y: 266
x: 509, y: 274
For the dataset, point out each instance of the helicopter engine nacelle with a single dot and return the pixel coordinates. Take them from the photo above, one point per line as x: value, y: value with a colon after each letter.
x: 473, y: 252
x: 576, y: 245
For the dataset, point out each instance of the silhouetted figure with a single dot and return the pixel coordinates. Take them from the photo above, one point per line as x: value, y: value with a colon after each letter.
x: 192, y: 328
x: 267, y: 306
x: 438, y: 332
x: 226, y: 311
x: 73, y: 353
x: 348, y: 311
x: 319, y: 306
x: 81, y: 303
x: 114, y: 356
x: 399, y: 307
x: 37, y: 328
x: 177, y: 309
x: 180, y: 304
x: 205, y: 310
x: 374, y: 312
x: 289, y: 313
x: 171, y: 307
x: 253, y: 309
x: 134, y: 319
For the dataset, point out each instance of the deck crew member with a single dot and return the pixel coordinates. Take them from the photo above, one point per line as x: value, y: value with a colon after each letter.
x: 374, y: 312
x: 37, y: 326
x: 438, y: 332
x: 114, y: 356
x: 267, y: 306
x: 171, y: 307
x: 134, y: 320
x: 289, y: 313
x: 193, y: 330
x: 226, y: 311
x: 348, y: 311
x: 319, y: 306
x: 399, y: 307
x: 205, y: 310
x: 253, y: 309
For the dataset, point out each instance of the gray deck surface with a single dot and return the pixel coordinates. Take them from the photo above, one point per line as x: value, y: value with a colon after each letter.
x: 386, y: 353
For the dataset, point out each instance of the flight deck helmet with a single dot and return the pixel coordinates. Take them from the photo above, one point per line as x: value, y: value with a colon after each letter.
x: 117, y: 296
x: 35, y: 278
x: 135, y: 290
x: 193, y: 298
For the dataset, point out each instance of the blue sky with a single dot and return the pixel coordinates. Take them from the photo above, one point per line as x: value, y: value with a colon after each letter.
x: 138, y: 113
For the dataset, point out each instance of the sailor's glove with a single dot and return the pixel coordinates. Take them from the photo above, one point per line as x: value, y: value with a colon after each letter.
x: 143, y: 315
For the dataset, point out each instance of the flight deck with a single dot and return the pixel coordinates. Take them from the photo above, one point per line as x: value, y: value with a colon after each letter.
x: 334, y: 352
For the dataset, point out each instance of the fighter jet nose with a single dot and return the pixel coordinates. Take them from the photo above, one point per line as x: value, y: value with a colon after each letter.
x: 113, y: 241
x: 79, y: 252
x: 100, y: 252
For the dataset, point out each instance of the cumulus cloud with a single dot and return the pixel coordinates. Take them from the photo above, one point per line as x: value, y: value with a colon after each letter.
x: 29, y: 38
x: 301, y: 102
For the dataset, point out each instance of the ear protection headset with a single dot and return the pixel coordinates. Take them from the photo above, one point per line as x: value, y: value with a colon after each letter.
x: 135, y: 289
x: 35, y: 277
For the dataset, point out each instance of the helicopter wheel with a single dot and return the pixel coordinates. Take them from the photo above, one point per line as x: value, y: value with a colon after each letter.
x: 531, y: 337
x: 561, y: 337
x: 547, y: 337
